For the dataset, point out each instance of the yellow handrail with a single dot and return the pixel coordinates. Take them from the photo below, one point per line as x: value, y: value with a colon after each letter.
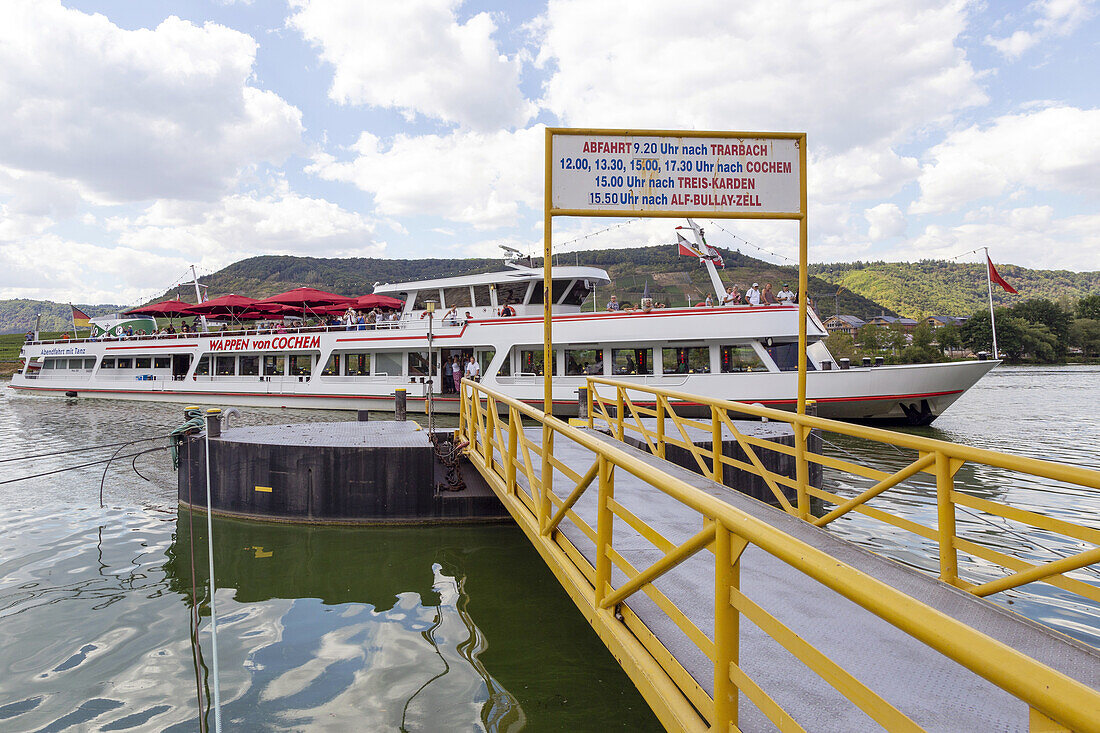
x: 939, y: 458
x: 675, y: 697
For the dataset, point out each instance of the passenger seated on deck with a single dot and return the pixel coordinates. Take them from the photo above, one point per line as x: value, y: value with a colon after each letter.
x: 613, y: 304
x: 507, y: 311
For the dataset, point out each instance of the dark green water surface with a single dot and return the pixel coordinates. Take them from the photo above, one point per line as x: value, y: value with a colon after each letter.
x: 420, y: 629
x: 320, y: 628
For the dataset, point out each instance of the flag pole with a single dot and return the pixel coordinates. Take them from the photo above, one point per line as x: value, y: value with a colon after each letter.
x: 989, y: 288
x: 72, y: 312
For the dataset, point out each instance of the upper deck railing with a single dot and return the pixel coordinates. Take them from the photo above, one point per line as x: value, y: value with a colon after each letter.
x: 521, y: 471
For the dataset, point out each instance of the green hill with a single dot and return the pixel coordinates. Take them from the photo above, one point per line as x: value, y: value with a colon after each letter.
x: 937, y: 287
x: 18, y: 315
x: 672, y: 279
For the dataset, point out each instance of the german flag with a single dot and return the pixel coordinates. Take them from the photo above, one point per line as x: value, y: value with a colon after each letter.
x: 80, y: 318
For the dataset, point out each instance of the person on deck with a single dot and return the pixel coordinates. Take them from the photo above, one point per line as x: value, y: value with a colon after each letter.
x: 786, y: 297
x: 507, y: 311
x: 768, y: 297
x: 473, y: 370
x: 456, y: 373
x: 752, y: 295
x: 710, y: 301
x: 613, y: 304
x: 450, y: 318
x: 448, y: 376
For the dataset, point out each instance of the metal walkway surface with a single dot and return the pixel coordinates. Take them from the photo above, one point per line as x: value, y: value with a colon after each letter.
x: 936, y: 692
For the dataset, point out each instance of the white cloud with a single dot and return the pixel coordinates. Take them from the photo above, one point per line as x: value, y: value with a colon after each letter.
x: 885, y: 221
x: 82, y: 272
x: 1051, y: 149
x: 132, y: 115
x: 1028, y: 236
x: 245, y: 225
x: 470, y: 177
x: 1056, y: 18
x: 848, y: 73
x: 859, y: 173
x: 415, y: 56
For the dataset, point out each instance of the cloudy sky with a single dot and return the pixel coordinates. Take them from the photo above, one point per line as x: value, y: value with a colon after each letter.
x: 138, y: 138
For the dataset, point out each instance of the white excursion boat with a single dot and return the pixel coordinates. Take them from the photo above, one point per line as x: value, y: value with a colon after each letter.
x: 742, y: 353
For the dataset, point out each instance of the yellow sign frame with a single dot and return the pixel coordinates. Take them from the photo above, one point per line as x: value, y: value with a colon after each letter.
x: 800, y: 216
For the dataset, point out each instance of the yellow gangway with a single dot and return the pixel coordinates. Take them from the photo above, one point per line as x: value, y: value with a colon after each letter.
x: 595, y: 567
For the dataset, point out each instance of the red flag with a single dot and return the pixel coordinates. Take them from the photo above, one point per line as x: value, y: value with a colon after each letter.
x: 995, y: 276
x: 684, y: 248
x: 716, y: 257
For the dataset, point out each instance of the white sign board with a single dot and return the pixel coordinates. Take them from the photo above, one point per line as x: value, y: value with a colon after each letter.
x: 638, y: 173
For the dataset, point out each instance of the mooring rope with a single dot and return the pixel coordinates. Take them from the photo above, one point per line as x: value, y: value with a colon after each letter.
x: 80, y: 465
x: 78, y: 450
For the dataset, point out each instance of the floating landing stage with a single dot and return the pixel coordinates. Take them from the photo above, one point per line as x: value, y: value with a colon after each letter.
x: 339, y: 473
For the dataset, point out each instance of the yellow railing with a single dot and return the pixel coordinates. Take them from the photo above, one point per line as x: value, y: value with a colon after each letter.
x: 617, y: 407
x: 521, y: 469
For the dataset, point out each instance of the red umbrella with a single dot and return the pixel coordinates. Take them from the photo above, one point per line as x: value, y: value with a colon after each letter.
x: 167, y: 309
x: 228, y: 305
x: 307, y: 299
x: 378, y: 301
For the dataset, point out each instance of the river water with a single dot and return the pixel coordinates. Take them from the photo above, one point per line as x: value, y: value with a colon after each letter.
x: 417, y: 629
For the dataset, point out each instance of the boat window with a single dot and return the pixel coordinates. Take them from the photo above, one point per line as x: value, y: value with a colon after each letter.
x: 632, y: 361
x: 225, y: 366
x: 686, y: 360
x: 89, y: 363
x: 301, y: 365
x: 485, y: 358
x: 560, y: 286
x: 505, y: 369
x: 741, y: 358
x: 418, y: 363
x: 583, y: 362
x: 143, y: 362
x: 357, y: 365
x: 274, y: 365
x: 202, y: 369
x: 107, y: 363
x: 388, y: 363
x: 250, y: 365
x: 511, y: 293
x: 162, y: 362
x: 124, y: 362
x: 423, y: 296
x: 49, y: 364
x: 530, y: 362
x: 578, y: 293
x: 457, y: 297
x: 786, y: 357
x: 332, y: 366
x: 481, y: 295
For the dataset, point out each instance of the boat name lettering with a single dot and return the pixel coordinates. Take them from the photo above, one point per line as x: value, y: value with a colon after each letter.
x: 69, y: 351
x: 259, y: 344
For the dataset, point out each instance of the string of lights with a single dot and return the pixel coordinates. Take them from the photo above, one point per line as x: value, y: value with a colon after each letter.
x: 751, y: 244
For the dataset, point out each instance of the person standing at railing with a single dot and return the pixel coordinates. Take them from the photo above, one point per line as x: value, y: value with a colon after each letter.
x: 768, y: 297
x: 448, y: 376
x: 786, y: 297
x: 752, y: 295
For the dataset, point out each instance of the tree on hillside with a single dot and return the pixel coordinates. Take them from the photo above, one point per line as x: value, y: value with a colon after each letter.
x: 869, y: 337
x: 1016, y: 337
x: 921, y: 350
x: 1047, y: 313
x: 948, y: 338
x: 1085, y: 335
x: 1089, y: 307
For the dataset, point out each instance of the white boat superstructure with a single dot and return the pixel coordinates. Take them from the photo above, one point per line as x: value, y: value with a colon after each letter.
x: 741, y: 353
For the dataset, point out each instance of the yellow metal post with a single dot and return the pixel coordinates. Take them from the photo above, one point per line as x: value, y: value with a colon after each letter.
x: 604, y: 527
x: 802, y: 471
x: 513, y: 445
x: 660, y: 427
x: 591, y: 424
x: 619, y: 393
x: 945, y: 484
x: 547, y: 479
x: 716, y: 444
x: 726, y: 631
x: 490, y: 431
